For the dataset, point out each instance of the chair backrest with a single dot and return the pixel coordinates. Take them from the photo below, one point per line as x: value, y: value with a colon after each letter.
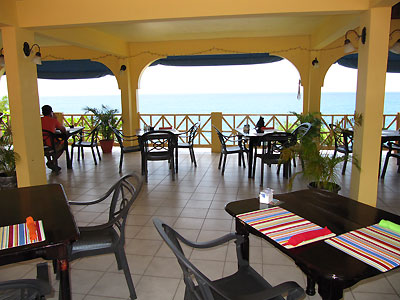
x: 50, y: 140
x: 93, y: 135
x: 190, y: 272
x: 192, y: 133
x: 159, y: 141
x: 119, y: 137
x: 341, y: 138
x: 221, y: 137
x: 122, y: 195
x: 301, y: 130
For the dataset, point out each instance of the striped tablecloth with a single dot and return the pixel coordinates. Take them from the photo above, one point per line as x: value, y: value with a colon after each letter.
x: 280, y: 225
x: 18, y: 235
x: 374, y: 245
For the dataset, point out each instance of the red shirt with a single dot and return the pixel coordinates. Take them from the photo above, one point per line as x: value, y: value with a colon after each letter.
x: 50, y: 124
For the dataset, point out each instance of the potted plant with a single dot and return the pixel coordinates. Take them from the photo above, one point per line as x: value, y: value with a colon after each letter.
x: 8, y: 159
x: 319, y: 167
x: 105, y: 118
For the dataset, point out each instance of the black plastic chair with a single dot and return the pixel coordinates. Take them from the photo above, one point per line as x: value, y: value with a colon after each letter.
x: 271, y: 146
x: 225, y: 150
x: 343, y: 143
x: 246, y: 283
x: 28, y: 289
x: 52, y: 149
x: 123, y: 140
x: 156, y: 146
x: 110, y: 236
x: 189, y: 138
x: 89, y: 140
x: 393, y: 151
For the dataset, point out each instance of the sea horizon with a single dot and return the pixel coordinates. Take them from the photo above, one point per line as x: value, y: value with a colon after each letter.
x: 237, y: 103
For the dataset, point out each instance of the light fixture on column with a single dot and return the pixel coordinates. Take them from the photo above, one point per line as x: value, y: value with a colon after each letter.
x: 122, y: 69
x: 315, y: 63
x: 37, y: 59
x: 348, y: 46
x: 2, y: 62
x: 396, y: 46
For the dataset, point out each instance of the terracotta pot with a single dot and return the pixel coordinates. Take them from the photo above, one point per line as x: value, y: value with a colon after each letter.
x: 106, y: 145
x: 7, y: 182
x: 334, y: 188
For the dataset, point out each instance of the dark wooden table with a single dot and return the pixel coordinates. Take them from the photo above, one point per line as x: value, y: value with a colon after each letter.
x: 332, y: 269
x: 49, y: 204
x: 254, y: 138
x: 70, y: 132
x: 176, y: 133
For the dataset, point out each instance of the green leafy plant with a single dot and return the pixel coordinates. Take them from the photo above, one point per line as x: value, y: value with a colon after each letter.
x: 8, y: 157
x: 4, y: 107
x: 318, y: 166
x: 105, y: 118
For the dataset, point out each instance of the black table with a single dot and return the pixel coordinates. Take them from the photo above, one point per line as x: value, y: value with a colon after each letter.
x: 387, y: 136
x: 176, y: 133
x: 49, y: 204
x: 254, y: 138
x: 70, y: 132
x: 332, y: 269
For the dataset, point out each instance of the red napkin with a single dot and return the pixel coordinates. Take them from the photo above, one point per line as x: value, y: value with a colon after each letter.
x: 309, y: 235
x: 267, y: 128
x: 32, y: 228
x: 163, y: 128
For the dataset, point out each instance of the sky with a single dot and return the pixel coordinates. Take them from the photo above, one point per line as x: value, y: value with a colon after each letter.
x: 278, y: 77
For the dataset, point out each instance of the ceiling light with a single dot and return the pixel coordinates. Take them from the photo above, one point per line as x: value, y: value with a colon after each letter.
x: 315, y: 63
x: 396, y: 47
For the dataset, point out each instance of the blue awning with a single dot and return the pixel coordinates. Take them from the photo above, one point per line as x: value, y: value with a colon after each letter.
x: 72, y: 69
x: 217, y: 60
x: 351, y: 61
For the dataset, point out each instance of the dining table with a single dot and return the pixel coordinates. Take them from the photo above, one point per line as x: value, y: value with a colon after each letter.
x: 386, y: 136
x: 48, y: 204
x: 176, y: 133
x: 70, y: 132
x: 254, y: 137
x: 332, y: 269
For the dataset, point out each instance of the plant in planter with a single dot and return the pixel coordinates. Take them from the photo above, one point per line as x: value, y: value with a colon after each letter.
x: 106, y: 119
x: 8, y: 159
x: 319, y: 167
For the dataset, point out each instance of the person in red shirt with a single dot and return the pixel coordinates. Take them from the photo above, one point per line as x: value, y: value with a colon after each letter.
x: 50, y: 123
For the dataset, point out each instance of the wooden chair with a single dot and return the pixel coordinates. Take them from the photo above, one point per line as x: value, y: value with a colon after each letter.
x: 123, y: 140
x: 226, y: 150
x: 244, y: 284
x: 89, y: 140
x: 189, y: 139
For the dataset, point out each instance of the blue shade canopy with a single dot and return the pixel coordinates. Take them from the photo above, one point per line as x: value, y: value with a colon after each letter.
x: 72, y: 69
x: 351, y: 61
x: 217, y: 60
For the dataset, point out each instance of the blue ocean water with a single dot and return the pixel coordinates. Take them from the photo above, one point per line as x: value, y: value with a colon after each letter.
x: 266, y: 103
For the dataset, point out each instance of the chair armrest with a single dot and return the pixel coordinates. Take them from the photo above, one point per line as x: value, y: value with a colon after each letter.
x: 291, y: 288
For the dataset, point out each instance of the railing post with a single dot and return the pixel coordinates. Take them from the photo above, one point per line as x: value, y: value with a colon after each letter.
x: 398, y: 121
x: 216, y: 120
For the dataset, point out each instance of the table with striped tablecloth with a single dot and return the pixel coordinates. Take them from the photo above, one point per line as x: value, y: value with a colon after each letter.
x: 280, y: 225
x: 18, y: 235
x: 376, y: 246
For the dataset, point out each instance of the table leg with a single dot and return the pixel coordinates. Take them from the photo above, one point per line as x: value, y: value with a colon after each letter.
x: 250, y: 160
x: 310, y: 290
x: 245, y: 247
x: 330, y: 290
x: 65, y: 287
x: 176, y: 159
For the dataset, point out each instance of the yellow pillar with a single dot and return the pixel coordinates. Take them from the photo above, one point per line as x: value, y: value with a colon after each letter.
x: 312, y: 87
x: 372, y: 62
x: 24, y: 107
x: 216, y: 120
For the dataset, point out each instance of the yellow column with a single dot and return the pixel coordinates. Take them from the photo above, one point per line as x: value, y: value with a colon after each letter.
x: 216, y: 120
x: 312, y: 88
x: 24, y: 107
x: 372, y: 62
x: 124, y: 86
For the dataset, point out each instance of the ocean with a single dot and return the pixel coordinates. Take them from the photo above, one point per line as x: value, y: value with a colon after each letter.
x: 262, y: 103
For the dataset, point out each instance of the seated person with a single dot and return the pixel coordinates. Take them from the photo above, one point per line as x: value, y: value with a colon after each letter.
x: 50, y: 123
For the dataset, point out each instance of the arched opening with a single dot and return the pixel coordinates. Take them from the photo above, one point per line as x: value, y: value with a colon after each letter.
x: 268, y: 88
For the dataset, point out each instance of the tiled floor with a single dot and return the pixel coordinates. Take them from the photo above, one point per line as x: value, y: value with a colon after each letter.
x: 194, y: 205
